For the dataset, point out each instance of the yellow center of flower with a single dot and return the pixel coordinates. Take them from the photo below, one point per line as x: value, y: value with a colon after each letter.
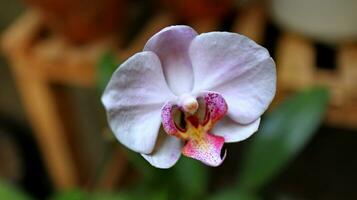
x: 194, y: 129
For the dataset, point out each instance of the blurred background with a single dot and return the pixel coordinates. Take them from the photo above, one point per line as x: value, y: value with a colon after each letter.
x: 57, y: 56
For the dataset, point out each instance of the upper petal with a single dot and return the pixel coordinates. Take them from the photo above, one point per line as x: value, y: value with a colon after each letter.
x: 238, y: 68
x: 171, y: 45
x: 133, y: 100
x: 232, y: 131
x: 166, y: 153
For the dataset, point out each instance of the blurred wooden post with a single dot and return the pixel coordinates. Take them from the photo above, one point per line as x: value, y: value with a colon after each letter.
x: 295, y: 58
x: 38, y: 103
x: 251, y: 23
x: 38, y: 64
x: 347, y: 60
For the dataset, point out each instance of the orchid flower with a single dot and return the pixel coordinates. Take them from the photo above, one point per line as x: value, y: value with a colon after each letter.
x: 189, y: 94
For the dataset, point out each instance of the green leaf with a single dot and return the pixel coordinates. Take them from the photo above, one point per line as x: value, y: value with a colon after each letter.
x: 191, y: 177
x: 106, y: 66
x: 233, y: 195
x: 147, y: 171
x: 282, y: 135
x: 78, y: 194
x: 74, y: 194
x: 160, y: 194
x: 112, y: 196
x: 8, y: 191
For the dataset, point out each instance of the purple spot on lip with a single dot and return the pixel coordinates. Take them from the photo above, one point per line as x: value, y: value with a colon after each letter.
x: 167, y: 119
x: 207, y: 150
x: 216, y: 106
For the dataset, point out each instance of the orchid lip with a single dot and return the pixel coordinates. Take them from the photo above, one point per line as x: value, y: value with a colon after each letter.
x: 200, y: 144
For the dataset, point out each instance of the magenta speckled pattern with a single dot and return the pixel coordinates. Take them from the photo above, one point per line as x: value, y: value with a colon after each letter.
x: 199, y: 143
x: 168, y: 122
x: 216, y: 106
x: 207, y: 150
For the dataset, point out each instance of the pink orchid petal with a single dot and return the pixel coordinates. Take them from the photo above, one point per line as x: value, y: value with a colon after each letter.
x: 236, y: 67
x: 216, y: 106
x: 166, y: 153
x: 167, y: 118
x: 133, y: 99
x: 231, y: 131
x: 171, y: 45
x: 207, y: 149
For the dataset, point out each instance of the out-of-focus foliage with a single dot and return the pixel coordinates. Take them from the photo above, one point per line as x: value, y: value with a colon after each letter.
x: 234, y: 194
x: 77, y: 194
x: 70, y: 195
x: 282, y: 135
x: 11, y: 192
x: 192, y: 178
x: 188, y: 179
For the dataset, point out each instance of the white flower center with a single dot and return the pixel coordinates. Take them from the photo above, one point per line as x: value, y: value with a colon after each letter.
x: 188, y: 103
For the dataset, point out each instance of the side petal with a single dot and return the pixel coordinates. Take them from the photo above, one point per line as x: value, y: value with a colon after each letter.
x: 133, y: 99
x: 231, y: 131
x: 166, y: 153
x: 171, y: 45
x: 207, y: 149
x: 238, y: 68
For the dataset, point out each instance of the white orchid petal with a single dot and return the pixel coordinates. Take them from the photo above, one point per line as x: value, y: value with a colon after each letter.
x: 238, y: 68
x: 231, y: 131
x: 171, y: 45
x: 133, y: 100
x: 166, y: 153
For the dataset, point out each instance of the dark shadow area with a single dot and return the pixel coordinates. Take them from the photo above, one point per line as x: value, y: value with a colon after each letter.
x: 33, y: 177
x: 325, y: 56
x: 326, y: 169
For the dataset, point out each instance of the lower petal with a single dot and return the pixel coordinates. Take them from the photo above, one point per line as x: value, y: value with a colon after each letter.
x: 207, y: 149
x: 166, y: 153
